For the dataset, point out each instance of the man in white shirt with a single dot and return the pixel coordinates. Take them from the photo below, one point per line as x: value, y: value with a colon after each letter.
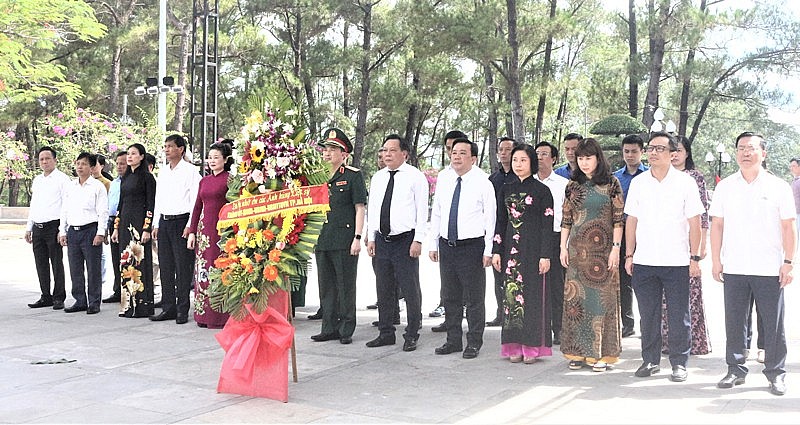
x: 42, y: 229
x: 84, y: 218
x: 397, y: 214
x: 753, y: 242
x: 662, y: 246
x: 462, y: 226
x: 547, y: 155
x: 177, y: 183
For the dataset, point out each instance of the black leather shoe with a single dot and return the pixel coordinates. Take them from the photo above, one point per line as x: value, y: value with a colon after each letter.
x: 647, y: 369
x: 410, y: 345
x: 93, y: 309
x: 325, y: 337
x: 626, y: 332
x: 395, y: 322
x: 164, y: 315
x: 373, y: 306
x: 470, y: 352
x: 380, y: 342
x: 679, y: 374
x: 439, y: 328
x: 58, y: 305
x: 74, y: 308
x: 777, y: 386
x: 42, y: 302
x: 447, y: 348
x: 316, y: 316
x: 158, y: 304
x: 496, y: 322
x: 181, y: 320
x: 346, y: 340
x: 114, y: 298
x: 730, y: 380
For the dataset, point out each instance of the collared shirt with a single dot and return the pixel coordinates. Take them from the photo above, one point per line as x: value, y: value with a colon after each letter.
x: 106, y: 182
x: 47, y: 194
x: 558, y: 187
x: 176, y: 190
x: 625, y: 177
x: 477, y: 208
x: 796, y: 192
x: 564, y: 171
x: 113, y: 196
x: 409, y: 209
x: 662, y: 210
x: 752, y: 240
x: 84, y: 204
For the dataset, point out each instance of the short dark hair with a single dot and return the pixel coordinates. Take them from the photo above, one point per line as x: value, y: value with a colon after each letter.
x: 91, y: 158
x: 506, y: 139
x: 602, y: 174
x: 796, y: 160
x: 404, y: 146
x: 573, y: 136
x: 633, y: 139
x: 179, y: 141
x: 473, y: 148
x: 454, y: 134
x: 673, y: 145
x: 750, y: 134
x: 46, y: 148
x: 120, y: 153
x: 101, y: 159
x: 150, y: 159
x: 553, y: 150
x: 531, y: 152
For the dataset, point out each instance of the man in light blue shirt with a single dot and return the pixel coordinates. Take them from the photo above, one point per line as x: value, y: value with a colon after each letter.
x: 113, y: 204
x: 571, y: 141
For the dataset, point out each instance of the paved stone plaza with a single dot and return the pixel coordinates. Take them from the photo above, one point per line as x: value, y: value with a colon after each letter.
x: 137, y: 371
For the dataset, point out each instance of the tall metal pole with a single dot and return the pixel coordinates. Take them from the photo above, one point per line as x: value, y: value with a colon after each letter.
x: 162, y: 64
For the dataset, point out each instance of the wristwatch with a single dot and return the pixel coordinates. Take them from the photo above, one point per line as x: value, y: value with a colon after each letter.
x: 695, y: 257
x: 358, y: 237
x: 787, y: 261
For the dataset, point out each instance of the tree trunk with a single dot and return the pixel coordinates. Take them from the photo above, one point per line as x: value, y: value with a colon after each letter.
x: 361, y: 118
x: 491, y: 97
x: 688, y: 70
x: 633, y: 62
x: 413, y: 113
x: 345, y: 78
x: 657, y: 46
x: 515, y: 91
x: 114, y: 78
x: 546, y: 74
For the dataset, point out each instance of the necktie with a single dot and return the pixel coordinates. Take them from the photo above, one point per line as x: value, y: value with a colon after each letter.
x: 452, y: 224
x: 385, y: 226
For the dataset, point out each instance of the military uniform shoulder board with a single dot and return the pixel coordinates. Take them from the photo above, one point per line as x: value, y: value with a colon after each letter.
x: 351, y: 168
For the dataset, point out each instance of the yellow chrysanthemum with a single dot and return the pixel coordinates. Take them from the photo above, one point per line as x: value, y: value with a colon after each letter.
x: 253, y: 290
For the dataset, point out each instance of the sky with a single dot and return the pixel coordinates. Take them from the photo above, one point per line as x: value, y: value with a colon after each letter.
x: 788, y: 114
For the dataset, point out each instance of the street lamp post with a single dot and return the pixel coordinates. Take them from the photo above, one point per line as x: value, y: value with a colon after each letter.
x: 721, y: 158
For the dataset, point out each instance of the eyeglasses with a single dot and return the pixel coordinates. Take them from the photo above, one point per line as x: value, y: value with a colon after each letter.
x: 543, y: 153
x: 656, y: 148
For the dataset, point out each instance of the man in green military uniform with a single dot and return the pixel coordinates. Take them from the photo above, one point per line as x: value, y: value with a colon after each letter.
x: 340, y: 241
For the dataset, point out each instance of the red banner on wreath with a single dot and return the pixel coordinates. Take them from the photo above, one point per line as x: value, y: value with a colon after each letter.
x: 299, y: 200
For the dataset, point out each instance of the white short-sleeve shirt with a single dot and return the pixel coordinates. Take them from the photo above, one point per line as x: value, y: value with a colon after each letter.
x: 662, y: 210
x: 752, y: 242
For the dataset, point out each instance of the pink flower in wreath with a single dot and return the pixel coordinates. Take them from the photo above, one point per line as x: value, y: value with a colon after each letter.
x: 520, y: 299
x: 515, y: 237
x: 528, y: 200
x: 519, y: 277
x: 515, y: 213
x: 548, y: 211
x: 512, y: 262
x: 513, y: 250
x: 497, y: 238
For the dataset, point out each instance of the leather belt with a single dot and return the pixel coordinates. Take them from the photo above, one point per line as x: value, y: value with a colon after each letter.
x: 392, y: 238
x: 461, y: 242
x: 83, y: 226
x: 174, y: 217
x: 47, y: 223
